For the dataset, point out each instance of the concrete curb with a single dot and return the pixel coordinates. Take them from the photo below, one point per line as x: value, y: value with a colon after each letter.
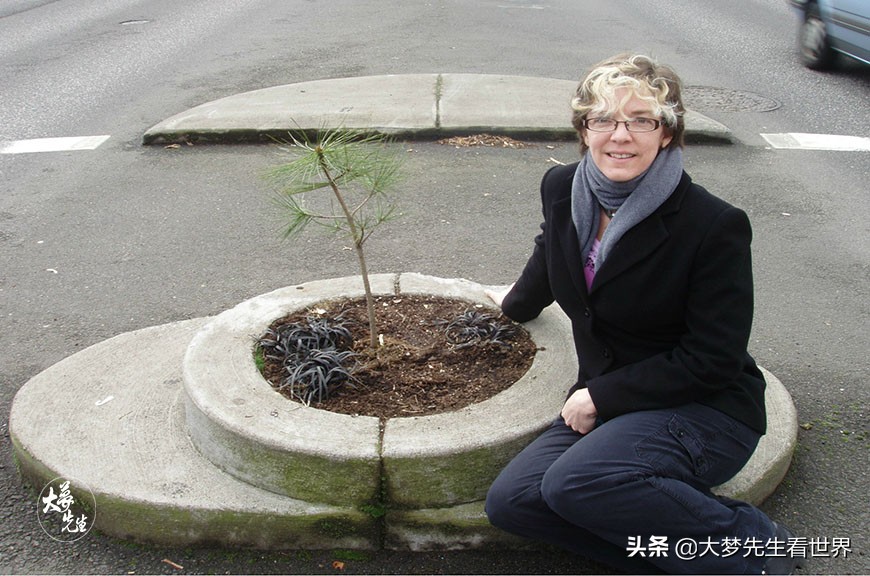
x: 112, y: 418
x: 772, y: 456
x: 408, y: 106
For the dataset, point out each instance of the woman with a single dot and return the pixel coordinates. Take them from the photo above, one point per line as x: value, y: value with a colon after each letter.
x: 655, y: 274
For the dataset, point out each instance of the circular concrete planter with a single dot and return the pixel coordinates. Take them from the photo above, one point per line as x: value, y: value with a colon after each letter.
x: 249, y: 430
x: 130, y: 441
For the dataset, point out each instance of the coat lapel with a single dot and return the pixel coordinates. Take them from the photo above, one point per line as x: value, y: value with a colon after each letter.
x: 567, y: 234
x: 642, y: 240
x: 633, y: 247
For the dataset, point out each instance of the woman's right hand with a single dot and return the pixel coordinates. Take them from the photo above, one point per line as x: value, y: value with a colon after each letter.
x: 579, y: 412
x: 497, y: 295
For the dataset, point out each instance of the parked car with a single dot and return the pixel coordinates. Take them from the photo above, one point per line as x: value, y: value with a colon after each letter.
x: 831, y: 26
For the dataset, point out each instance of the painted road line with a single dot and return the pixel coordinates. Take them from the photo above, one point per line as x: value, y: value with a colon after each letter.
x: 71, y: 143
x: 798, y: 141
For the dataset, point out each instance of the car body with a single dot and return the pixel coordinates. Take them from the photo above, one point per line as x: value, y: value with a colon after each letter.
x: 829, y: 27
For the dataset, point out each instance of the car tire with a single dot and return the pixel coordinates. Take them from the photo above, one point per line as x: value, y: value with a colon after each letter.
x: 816, y: 52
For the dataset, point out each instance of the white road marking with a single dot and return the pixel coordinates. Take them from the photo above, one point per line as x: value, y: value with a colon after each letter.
x: 52, y: 144
x: 798, y: 141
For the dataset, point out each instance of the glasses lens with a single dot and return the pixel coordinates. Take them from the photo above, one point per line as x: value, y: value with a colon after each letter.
x: 642, y: 125
x: 601, y: 124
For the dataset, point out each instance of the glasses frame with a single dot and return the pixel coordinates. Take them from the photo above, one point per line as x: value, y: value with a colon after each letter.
x: 628, y: 125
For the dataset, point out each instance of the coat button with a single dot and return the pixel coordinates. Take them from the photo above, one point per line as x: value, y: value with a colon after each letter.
x: 606, y: 353
x: 587, y: 313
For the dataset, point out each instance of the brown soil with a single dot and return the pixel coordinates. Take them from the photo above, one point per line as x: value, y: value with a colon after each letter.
x: 416, y: 371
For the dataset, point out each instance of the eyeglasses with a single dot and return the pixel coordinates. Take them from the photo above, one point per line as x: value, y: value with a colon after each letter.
x: 610, y: 125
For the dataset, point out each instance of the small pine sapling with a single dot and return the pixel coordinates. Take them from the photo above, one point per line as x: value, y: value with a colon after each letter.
x: 361, y: 171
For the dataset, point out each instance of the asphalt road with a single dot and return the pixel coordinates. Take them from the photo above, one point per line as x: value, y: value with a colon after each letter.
x: 97, y: 243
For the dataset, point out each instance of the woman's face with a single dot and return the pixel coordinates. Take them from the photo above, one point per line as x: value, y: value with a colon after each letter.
x: 622, y: 155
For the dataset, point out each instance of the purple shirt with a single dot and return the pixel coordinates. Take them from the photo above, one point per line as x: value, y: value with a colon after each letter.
x: 589, y: 267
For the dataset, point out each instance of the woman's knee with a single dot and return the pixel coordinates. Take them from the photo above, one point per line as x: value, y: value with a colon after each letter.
x: 516, y: 506
x: 504, y: 501
x: 558, y: 495
x: 498, y: 505
x: 583, y: 497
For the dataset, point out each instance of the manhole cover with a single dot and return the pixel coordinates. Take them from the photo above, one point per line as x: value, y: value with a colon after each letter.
x: 726, y: 100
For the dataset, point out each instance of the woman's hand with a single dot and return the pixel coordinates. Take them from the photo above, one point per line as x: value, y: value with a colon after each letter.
x: 497, y: 296
x: 579, y: 412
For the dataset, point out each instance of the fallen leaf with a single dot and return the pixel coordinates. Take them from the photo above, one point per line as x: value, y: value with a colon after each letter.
x: 338, y: 565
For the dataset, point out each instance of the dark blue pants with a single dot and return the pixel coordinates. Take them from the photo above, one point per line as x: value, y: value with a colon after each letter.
x: 641, y: 474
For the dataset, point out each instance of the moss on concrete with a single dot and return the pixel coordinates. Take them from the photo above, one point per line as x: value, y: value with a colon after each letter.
x: 313, y: 527
x: 421, y: 482
x: 168, y: 525
x: 299, y: 475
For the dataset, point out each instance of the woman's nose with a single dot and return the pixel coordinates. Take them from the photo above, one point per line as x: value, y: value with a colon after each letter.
x: 621, y: 132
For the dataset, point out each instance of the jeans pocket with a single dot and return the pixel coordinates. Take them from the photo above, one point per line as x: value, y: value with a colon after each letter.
x: 676, y: 451
x: 692, y: 444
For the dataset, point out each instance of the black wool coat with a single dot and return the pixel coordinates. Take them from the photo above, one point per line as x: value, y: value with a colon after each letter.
x: 669, y: 313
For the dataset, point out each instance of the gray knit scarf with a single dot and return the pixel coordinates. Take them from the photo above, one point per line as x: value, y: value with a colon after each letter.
x: 636, y: 199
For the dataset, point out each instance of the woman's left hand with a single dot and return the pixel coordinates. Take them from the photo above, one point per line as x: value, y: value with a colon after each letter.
x: 497, y: 295
x: 579, y: 412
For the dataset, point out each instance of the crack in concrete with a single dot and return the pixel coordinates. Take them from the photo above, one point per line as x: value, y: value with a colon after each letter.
x: 439, y: 87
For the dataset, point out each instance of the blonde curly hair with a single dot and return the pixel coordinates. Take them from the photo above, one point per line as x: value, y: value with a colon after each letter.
x: 654, y: 83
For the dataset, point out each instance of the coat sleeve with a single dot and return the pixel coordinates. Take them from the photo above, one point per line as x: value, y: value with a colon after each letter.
x: 531, y: 292
x: 712, y: 352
